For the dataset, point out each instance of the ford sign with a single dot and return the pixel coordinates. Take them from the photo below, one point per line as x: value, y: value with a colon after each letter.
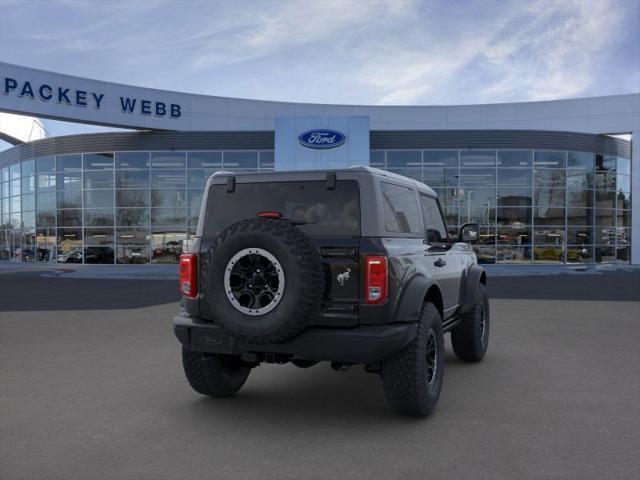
x: 322, y: 138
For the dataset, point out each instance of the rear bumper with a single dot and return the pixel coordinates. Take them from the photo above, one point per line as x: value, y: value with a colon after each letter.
x: 364, y: 344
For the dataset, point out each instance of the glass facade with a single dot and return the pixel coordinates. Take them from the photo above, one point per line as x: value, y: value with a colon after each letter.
x: 109, y: 207
x: 540, y: 206
x: 533, y: 206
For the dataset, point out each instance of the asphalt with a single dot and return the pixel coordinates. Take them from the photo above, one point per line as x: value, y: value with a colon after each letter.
x: 91, y: 387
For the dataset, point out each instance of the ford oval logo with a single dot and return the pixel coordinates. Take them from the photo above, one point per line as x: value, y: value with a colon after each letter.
x: 322, y: 138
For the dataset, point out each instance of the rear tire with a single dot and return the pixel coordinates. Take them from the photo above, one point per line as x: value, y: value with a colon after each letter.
x: 214, y: 374
x: 470, y: 339
x: 412, y: 379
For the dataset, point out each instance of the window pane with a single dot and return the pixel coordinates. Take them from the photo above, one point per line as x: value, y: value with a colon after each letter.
x: 240, y: 159
x: 98, y: 236
x: 168, y: 217
x: 436, y: 232
x: 400, y: 209
x: 514, y: 197
x: 514, y: 176
x: 98, y: 199
x: 514, y: 216
x: 515, y: 158
x: 579, y: 216
x: 70, y: 199
x: 548, y: 236
x: 98, y: 161
x: 132, y: 254
x: 194, y: 198
x: 98, y: 217
x: 133, y: 216
x: 14, y: 204
x: 548, y: 215
x: 485, y: 197
x: 46, y: 200
x: 132, y: 236
x: 605, y: 199
x: 29, y: 202
x: 5, y: 174
x: 549, y: 159
x: 582, y: 160
x: 167, y: 245
x: 70, y: 218
x: 440, y: 177
x: 168, y: 198
x: 404, y: 158
x: 45, y: 165
x: 579, y: 198
x: 29, y: 221
x: 132, y: 178
x: 514, y: 234
x: 267, y: 159
x: 69, y: 237
x: 605, y: 217
x: 477, y: 158
x: 14, y: 187
x: 580, y: 236
x: 512, y: 254
x: 477, y: 177
x: 440, y: 158
x: 605, y: 163
x: 69, y: 180
x: 549, y: 197
x: 605, y: 235
x: 98, y: 179
x: 605, y: 254
x: 548, y: 254
x: 624, y: 218
x: 549, y: 178
x: 624, y: 183
x: 132, y: 198
x: 415, y: 173
x: 580, y: 179
x: 47, y: 181
x: 168, y: 179
x: 376, y: 158
x: 46, y: 218
x: 132, y: 160
x: 623, y: 166
x: 98, y: 254
x: 579, y: 255
x: 69, y: 162
x: 205, y: 159
x: 168, y: 160
x: 28, y: 168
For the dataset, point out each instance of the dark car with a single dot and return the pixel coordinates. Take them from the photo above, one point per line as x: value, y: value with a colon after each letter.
x: 350, y: 266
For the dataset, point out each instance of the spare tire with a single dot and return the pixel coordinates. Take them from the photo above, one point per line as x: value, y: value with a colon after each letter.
x: 265, y: 280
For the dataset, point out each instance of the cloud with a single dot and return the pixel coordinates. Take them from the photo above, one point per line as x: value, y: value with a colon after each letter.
x: 338, y: 51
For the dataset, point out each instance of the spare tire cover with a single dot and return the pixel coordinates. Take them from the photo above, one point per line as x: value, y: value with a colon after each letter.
x: 265, y: 280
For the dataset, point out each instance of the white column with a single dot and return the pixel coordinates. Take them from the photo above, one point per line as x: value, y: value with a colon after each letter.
x: 635, y: 197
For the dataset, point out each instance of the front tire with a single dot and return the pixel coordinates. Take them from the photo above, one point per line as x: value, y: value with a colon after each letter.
x: 470, y: 339
x: 412, y: 379
x: 214, y: 375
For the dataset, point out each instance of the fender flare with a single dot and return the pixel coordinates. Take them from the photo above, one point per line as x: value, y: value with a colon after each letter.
x: 412, y: 298
x: 474, y: 277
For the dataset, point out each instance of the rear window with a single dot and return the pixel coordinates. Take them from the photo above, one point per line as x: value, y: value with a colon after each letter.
x: 316, y: 210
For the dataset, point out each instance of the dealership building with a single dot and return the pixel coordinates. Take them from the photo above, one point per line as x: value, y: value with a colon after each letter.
x: 548, y: 182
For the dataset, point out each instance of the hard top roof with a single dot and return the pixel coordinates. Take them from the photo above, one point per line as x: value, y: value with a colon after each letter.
x: 357, y: 169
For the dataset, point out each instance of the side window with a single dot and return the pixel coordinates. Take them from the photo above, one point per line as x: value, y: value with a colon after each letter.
x: 436, y: 232
x: 400, y: 209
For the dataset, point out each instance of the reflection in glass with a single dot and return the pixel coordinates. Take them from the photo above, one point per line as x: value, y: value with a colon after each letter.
x: 132, y: 179
x: 580, y: 236
x: 549, y: 159
x: 583, y: 160
x: 98, y: 179
x: 168, y: 179
x: 70, y: 218
x: 97, y: 161
x: 98, y: 236
x: 69, y: 180
x: 43, y: 165
x: 404, y: 158
x: 515, y: 158
x: 133, y: 217
x: 477, y: 158
x: 132, y: 236
x: 98, y: 217
x: 168, y: 159
x: 513, y: 254
x: 132, y: 254
x: 440, y: 158
x: 167, y: 245
x: 69, y: 162
x: 132, y: 198
x: 98, y: 199
x: 548, y: 254
x: 104, y: 254
x: 139, y: 160
x: 175, y: 198
x: 605, y: 254
x: 70, y: 199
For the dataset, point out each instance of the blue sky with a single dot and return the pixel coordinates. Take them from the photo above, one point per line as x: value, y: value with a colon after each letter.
x: 363, y: 52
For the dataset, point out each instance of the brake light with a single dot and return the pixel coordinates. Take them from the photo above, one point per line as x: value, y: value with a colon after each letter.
x: 376, y: 279
x: 188, y: 275
x: 269, y: 214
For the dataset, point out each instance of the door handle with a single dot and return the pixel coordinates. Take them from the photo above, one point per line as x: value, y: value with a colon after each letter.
x: 440, y: 263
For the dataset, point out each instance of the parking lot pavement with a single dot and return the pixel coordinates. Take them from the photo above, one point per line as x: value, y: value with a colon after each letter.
x: 98, y: 393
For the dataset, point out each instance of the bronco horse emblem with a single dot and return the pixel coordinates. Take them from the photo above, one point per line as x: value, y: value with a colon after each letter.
x: 343, y: 277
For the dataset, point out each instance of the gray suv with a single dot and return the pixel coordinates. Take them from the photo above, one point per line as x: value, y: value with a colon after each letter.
x: 351, y: 266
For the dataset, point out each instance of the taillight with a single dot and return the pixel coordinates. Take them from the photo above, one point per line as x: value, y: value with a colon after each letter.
x: 376, y: 282
x: 188, y: 275
x: 269, y: 214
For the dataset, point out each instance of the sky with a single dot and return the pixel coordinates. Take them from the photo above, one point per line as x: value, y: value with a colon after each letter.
x: 393, y: 52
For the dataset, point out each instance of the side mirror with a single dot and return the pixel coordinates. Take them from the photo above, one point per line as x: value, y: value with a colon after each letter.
x: 469, y: 232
